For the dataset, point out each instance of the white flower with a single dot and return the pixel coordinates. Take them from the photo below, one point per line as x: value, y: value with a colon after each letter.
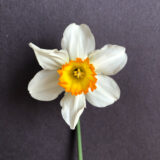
x: 79, y: 70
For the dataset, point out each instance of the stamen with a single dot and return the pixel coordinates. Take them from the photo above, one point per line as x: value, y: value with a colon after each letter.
x: 78, y: 73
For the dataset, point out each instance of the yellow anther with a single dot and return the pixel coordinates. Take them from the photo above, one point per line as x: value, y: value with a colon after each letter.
x: 78, y: 73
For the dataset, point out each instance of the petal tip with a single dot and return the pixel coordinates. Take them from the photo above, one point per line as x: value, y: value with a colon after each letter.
x: 30, y: 44
x: 33, y: 46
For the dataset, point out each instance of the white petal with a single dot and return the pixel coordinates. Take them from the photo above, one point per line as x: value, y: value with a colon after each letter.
x: 44, y: 85
x: 50, y: 59
x: 106, y: 93
x: 109, y: 60
x: 72, y: 108
x: 78, y: 40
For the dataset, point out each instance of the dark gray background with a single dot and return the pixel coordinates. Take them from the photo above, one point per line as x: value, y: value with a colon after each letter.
x: 34, y: 130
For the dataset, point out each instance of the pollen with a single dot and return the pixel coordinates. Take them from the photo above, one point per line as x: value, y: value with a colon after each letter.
x: 77, y: 76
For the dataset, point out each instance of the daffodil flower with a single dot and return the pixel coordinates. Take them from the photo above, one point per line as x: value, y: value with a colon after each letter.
x: 79, y: 70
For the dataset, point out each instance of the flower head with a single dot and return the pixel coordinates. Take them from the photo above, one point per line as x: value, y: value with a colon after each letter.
x: 79, y: 70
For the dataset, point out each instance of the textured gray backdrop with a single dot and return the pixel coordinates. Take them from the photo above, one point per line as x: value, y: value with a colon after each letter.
x: 33, y: 130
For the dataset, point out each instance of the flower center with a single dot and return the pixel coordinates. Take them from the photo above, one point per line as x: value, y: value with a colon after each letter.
x: 78, y: 73
x: 77, y: 76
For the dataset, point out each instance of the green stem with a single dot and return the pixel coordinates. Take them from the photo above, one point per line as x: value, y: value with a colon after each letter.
x: 79, y: 139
